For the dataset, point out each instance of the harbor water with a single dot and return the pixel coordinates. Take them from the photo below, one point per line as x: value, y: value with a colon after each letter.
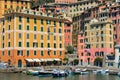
x: 91, y: 76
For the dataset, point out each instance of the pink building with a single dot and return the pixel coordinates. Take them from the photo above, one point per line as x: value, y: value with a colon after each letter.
x: 68, y: 33
x: 65, y: 1
x: 80, y: 48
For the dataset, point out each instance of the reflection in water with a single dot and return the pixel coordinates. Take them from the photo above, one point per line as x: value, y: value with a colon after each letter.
x: 16, y: 76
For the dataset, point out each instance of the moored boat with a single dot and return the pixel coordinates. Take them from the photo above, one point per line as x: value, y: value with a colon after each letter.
x: 80, y: 71
x: 32, y: 72
x: 59, y: 73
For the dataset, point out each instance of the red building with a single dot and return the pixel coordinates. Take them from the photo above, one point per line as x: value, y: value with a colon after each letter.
x: 68, y: 33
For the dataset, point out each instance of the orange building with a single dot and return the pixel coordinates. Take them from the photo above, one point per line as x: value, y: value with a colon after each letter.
x: 29, y: 37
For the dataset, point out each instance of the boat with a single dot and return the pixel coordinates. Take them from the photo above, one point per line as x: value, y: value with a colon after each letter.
x: 80, y: 71
x: 97, y: 71
x: 59, y: 73
x: 104, y: 71
x: 45, y: 73
x: 32, y: 72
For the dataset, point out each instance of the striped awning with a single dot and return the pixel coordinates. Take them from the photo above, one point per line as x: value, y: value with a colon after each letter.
x: 36, y: 60
x: 29, y: 60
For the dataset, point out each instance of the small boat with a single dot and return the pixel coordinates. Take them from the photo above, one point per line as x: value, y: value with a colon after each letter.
x: 59, y: 73
x: 45, y: 73
x: 80, y: 71
x: 32, y: 72
x: 104, y: 71
x: 97, y: 71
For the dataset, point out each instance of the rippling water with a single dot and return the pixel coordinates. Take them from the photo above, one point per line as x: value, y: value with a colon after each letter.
x: 16, y: 76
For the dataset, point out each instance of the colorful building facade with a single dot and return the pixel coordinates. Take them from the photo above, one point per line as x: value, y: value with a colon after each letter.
x: 6, y: 5
x: 68, y: 33
x: 31, y: 36
x: 98, y: 42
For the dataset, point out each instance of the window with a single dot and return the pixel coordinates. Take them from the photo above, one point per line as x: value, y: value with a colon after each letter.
x: 54, y: 52
x: 102, y: 45
x: 5, y: 6
x: 19, y: 52
x: 20, y: 19
x: 60, y: 45
x: 54, y: 37
x: 20, y: 27
x: 2, y: 53
x: 35, y: 53
x: 41, y: 21
x: 28, y: 20
x: 35, y: 28
x: 28, y: 28
x: 48, y: 37
x: 28, y: 45
x: 54, y: 23
x: 60, y: 53
x: 60, y: 23
x: 8, y: 44
x: 110, y: 32
x: 54, y: 30
x: 42, y: 37
x: 42, y: 29
x: 8, y: 27
x: 3, y: 45
x: 35, y: 20
x: 60, y: 31
x: 81, y: 40
x: 48, y: 22
x: 20, y: 44
x: 8, y: 53
x: 28, y: 53
x: 48, y: 45
x: 110, y: 45
x: 54, y: 45
x: 28, y: 36
x: 20, y: 35
x: 49, y: 53
x: 35, y: 44
x: 42, y: 45
x: 81, y: 54
x: 8, y: 35
x: 35, y: 36
x: 41, y: 53
x: 60, y: 38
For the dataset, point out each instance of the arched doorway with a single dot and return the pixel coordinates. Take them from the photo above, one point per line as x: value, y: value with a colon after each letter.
x: 19, y: 63
x: 98, y: 62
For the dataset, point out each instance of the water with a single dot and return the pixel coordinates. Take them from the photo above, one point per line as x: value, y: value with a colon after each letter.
x: 21, y: 76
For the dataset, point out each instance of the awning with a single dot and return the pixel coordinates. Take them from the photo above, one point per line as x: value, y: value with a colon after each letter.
x: 47, y: 59
x: 29, y: 60
x: 36, y: 60
x: 42, y: 60
x: 57, y: 59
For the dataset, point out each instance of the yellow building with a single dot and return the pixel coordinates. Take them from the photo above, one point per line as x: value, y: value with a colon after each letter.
x: 31, y: 36
x: 6, y: 5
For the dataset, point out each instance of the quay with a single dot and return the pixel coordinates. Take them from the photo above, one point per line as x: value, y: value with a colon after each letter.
x: 89, y: 68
